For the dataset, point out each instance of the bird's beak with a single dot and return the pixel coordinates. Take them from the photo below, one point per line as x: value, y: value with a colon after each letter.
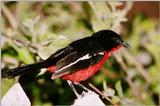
x: 125, y: 44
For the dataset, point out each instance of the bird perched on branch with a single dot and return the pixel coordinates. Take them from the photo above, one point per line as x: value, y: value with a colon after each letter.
x: 78, y: 61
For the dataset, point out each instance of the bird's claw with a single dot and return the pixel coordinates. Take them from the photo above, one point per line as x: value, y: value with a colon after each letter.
x: 74, y: 90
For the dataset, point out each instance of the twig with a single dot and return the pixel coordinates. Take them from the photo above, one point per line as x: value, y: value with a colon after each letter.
x: 13, y: 21
x: 128, y: 78
x: 133, y: 87
x: 121, y: 62
x: 10, y: 17
x: 139, y: 67
x: 27, y: 44
x: 99, y: 92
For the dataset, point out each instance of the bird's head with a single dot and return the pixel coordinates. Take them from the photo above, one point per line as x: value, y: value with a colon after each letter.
x: 109, y: 40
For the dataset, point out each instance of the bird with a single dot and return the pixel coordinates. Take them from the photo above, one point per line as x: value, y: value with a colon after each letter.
x: 79, y: 60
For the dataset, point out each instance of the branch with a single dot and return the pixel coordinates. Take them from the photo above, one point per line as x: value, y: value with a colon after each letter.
x: 99, y: 92
x: 10, y: 17
x: 27, y: 44
x: 15, y: 24
x: 138, y: 66
x: 128, y: 78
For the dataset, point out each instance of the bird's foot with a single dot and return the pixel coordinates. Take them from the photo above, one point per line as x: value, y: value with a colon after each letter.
x: 75, y: 91
x: 82, y: 86
x: 73, y: 88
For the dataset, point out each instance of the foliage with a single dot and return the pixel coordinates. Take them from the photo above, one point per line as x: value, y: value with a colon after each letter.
x: 38, y: 29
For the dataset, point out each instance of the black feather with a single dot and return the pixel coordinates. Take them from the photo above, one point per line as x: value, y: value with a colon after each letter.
x: 22, y: 70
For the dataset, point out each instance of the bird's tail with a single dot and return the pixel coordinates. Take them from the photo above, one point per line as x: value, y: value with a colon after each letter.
x: 22, y: 70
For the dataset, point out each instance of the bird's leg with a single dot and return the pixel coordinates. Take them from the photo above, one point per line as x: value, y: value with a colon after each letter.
x: 82, y: 86
x: 72, y: 87
x: 70, y: 83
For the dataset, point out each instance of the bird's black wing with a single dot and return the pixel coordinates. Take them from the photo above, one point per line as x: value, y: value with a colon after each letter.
x: 54, y: 58
x: 60, y: 54
x: 76, y: 61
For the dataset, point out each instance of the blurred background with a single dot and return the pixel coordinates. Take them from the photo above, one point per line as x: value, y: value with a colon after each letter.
x: 32, y: 31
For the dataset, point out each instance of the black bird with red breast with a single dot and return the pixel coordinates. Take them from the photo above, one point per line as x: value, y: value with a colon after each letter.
x: 78, y: 61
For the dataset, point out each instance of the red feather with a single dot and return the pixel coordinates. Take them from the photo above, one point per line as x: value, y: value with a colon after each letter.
x: 52, y: 69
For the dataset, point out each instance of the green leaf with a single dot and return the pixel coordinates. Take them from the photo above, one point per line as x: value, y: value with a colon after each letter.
x: 115, y: 99
x: 24, y: 55
x: 119, y: 88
